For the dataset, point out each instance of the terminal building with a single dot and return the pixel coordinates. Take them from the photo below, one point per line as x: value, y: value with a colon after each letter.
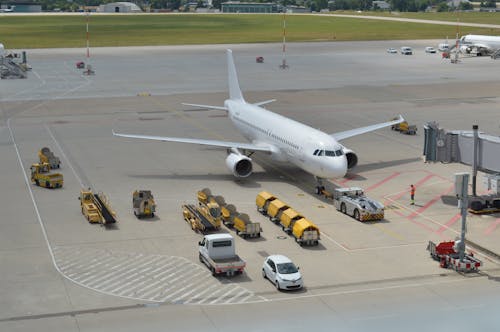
x: 249, y: 7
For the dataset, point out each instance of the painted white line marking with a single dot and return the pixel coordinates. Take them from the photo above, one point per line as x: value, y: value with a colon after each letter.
x: 232, y: 289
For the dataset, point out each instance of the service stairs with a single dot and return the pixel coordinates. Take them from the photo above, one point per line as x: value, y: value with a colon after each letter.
x: 11, y: 69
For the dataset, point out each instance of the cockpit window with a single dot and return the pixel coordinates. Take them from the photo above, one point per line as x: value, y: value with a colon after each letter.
x: 339, y: 152
x: 315, y: 152
x: 330, y: 153
x: 321, y: 153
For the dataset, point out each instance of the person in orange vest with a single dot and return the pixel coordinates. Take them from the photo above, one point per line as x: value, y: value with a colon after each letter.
x: 412, y: 194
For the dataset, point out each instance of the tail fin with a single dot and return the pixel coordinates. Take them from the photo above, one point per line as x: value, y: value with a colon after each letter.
x: 234, y: 86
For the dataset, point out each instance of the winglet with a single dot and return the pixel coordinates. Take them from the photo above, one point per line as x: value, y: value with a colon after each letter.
x: 234, y: 86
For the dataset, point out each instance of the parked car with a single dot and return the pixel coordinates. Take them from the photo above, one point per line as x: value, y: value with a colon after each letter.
x: 392, y: 50
x: 430, y: 50
x: 281, y: 271
x: 405, y: 50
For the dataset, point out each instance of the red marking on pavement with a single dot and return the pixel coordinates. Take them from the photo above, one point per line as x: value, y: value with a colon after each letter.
x: 430, y: 203
x: 390, y: 177
x: 492, y: 227
x: 449, y: 223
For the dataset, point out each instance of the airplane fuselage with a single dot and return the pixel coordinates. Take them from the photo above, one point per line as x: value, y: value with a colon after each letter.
x: 308, y: 148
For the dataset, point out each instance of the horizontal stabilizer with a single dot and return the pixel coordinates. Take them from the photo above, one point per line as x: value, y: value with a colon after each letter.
x: 207, y: 106
x: 265, y: 102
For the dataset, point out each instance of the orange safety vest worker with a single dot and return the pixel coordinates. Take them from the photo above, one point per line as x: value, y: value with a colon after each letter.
x: 412, y: 194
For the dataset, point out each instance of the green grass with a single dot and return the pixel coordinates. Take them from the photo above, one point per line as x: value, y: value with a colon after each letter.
x: 24, y: 32
x: 472, y: 17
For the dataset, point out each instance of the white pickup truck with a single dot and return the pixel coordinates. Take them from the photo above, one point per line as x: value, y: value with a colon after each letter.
x: 217, y: 252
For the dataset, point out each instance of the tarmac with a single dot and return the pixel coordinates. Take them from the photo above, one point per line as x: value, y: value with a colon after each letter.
x: 60, y: 273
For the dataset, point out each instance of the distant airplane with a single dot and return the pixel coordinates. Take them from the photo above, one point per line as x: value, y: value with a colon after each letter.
x: 284, y: 139
x: 479, y: 44
x: 7, y: 10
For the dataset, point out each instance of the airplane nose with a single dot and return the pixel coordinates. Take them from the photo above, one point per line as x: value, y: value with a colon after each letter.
x: 337, y: 167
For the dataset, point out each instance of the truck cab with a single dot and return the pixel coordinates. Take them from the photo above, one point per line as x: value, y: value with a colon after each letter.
x: 217, y: 252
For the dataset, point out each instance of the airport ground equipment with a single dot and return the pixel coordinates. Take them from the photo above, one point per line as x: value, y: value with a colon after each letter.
x: 473, y: 148
x: 404, y: 128
x: 96, y: 207
x: 263, y: 200
x: 276, y: 209
x: 217, y: 252
x: 230, y: 216
x: 204, y: 217
x: 352, y: 201
x: 47, y: 156
x: 143, y: 203
x: 292, y: 222
x: 447, y: 255
x: 41, y: 176
x: 11, y: 66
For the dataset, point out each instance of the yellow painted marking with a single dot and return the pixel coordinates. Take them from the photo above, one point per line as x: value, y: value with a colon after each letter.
x: 390, y: 232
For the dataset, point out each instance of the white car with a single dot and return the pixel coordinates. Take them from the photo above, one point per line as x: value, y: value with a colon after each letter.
x: 281, y: 271
x: 430, y: 50
x: 405, y: 50
x: 392, y: 50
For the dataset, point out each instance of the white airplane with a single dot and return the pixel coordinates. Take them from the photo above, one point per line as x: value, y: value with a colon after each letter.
x: 284, y: 139
x: 7, y: 10
x: 479, y: 44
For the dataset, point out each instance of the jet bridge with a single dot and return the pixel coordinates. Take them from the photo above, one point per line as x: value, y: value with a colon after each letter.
x: 473, y: 148
x: 457, y: 146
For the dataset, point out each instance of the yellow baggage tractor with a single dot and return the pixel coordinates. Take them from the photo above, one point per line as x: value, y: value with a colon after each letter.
x: 276, y: 208
x: 288, y: 218
x: 263, y: 200
x: 305, y: 232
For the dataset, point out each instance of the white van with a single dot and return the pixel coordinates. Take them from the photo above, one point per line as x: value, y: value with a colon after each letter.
x: 405, y: 50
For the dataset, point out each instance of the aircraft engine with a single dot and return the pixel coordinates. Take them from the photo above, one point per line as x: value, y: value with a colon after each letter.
x: 240, y: 165
x: 352, y: 158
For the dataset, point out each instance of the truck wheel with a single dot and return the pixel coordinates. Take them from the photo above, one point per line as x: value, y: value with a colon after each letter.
x: 342, y: 208
x: 356, y: 215
x: 212, y: 269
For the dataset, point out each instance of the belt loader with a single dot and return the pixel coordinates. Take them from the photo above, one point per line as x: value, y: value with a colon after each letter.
x: 41, y: 176
x: 96, y: 208
x: 143, y: 204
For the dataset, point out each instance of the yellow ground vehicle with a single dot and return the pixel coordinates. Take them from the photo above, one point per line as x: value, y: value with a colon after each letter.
x: 202, y: 218
x: 291, y: 221
x: 41, y: 176
x: 263, y: 200
x: 305, y: 232
x: 288, y: 218
x: 230, y: 216
x: 275, y: 209
x: 405, y: 128
x: 47, y: 156
x: 143, y: 203
x: 96, y: 208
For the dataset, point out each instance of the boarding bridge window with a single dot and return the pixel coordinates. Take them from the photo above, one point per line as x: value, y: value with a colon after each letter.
x: 219, y: 244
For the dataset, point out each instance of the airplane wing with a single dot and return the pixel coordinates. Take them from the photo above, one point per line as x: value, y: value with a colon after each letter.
x: 358, y: 131
x: 265, y: 102
x: 215, y: 143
